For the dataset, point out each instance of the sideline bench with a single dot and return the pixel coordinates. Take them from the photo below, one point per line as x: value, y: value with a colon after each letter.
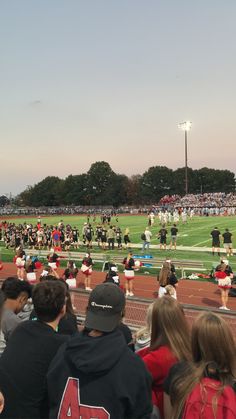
x: 105, y: 259
x: 156, y: 263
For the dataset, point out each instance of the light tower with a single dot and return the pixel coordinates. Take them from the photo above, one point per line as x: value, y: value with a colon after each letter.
x: 185, y: 126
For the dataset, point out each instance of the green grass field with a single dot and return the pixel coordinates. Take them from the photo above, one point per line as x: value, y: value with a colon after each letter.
x: 195, y: 233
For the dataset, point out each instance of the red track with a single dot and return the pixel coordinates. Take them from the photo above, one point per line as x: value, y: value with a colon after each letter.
x: 204, y: 294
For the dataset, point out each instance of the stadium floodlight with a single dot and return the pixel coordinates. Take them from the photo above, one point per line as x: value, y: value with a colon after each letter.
x: 186, y: 126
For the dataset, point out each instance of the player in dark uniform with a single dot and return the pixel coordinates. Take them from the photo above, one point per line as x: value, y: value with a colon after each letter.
x: 99, y: 234
x: 173, y: 233
x: 75, y: 237
x: 227, y: 241
x: 119, y: 237
x: 104, y: 238
x: 162, y: 236
x: 215, y: 234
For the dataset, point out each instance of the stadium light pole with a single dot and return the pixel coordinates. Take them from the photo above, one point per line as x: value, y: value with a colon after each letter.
x: 185, y: 126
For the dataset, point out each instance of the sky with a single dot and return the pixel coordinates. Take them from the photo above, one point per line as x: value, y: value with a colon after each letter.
x: 83, y: 81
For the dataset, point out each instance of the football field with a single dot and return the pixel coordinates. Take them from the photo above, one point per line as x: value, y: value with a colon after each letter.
x: 194, y: 234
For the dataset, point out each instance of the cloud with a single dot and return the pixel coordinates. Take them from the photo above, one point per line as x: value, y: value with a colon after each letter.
x: 36, y: 102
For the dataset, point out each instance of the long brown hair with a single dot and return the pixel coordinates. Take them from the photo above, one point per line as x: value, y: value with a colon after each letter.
x: 170, y: 328
x: 214, y: 354
x: 164, y: 274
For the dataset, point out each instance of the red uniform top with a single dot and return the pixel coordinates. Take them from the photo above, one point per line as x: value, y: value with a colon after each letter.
x: 56, y: 234
x: 158, y: 363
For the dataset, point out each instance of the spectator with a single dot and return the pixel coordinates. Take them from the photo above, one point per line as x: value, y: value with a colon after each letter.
x: 166, y: 277
x: 169, y: 344
x: 25, y: 361
x: 17, y: 293
x: 96, y: 374
x: 204, y: 388
x: 2, y: 299
x: 68, y: 323
x: 113, y: 275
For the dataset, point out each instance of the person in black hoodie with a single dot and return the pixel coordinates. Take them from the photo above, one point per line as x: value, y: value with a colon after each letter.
x: 30, y: 350
x: 95, y: 374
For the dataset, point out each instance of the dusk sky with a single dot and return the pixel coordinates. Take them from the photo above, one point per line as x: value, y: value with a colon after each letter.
x: 82, y: 81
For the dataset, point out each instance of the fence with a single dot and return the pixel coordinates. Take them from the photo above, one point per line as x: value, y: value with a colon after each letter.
x: 136, y: 309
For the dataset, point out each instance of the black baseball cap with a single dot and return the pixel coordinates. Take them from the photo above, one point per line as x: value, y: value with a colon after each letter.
x: 105, y: 306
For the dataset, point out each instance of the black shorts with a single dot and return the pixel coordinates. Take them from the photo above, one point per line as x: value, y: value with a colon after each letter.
x: 126, y: 239
x: 215, y: 244
x: 163, y: 240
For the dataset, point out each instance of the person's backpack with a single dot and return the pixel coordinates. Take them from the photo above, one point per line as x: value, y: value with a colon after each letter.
x: 143, y: 236
x: 206, y: 401
x: 232, y: 292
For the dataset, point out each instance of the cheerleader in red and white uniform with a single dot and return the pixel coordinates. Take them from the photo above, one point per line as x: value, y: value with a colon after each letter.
x: 19, y: 260
x: 224, y: 284
x: 129, y: 264
x: 86, y: 269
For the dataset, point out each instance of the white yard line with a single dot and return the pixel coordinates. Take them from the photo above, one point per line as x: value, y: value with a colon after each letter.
x: 205, y: 241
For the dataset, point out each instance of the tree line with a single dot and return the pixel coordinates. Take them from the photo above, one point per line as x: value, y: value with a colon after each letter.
x: 102, y: 186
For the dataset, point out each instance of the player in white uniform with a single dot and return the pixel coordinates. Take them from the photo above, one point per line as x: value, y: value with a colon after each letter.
x: 191, y: 214
x: 184, y: 216
x: 176, y: 216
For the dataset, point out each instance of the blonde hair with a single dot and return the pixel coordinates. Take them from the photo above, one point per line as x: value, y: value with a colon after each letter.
x: 170, y: 328
x: 170, y: 290
x: 164, y: 274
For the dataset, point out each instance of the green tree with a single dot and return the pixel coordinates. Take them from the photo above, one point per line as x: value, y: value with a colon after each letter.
x: 48, y: 192
x: 100, y: 179
x: 155, y: 183
x: 75, y: 190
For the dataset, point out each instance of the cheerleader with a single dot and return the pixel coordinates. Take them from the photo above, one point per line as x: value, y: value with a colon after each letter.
x: 224, y: 284
x: 113, y: 276
x: 20, y: 264
x: 86, y: 269
x: 129, y: 265
x: 70, y: 275
x: 53, y: 260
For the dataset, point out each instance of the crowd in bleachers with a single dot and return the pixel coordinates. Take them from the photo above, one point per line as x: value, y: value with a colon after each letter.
x: 216, y: 203
x: 49, y: 369
x: 205, y: 200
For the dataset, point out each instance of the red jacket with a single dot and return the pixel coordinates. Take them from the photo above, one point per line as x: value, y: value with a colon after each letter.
x: 158, y: 363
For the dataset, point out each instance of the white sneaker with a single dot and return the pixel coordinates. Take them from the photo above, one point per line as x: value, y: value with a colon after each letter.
x: 226, y: 308
x: 89, y: 289
x: 221, y: 308
x: 127, y: 294
x: 131, y: 294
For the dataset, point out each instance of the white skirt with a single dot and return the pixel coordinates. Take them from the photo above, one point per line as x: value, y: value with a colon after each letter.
x: 71, y: 282
x: 129, y: 274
